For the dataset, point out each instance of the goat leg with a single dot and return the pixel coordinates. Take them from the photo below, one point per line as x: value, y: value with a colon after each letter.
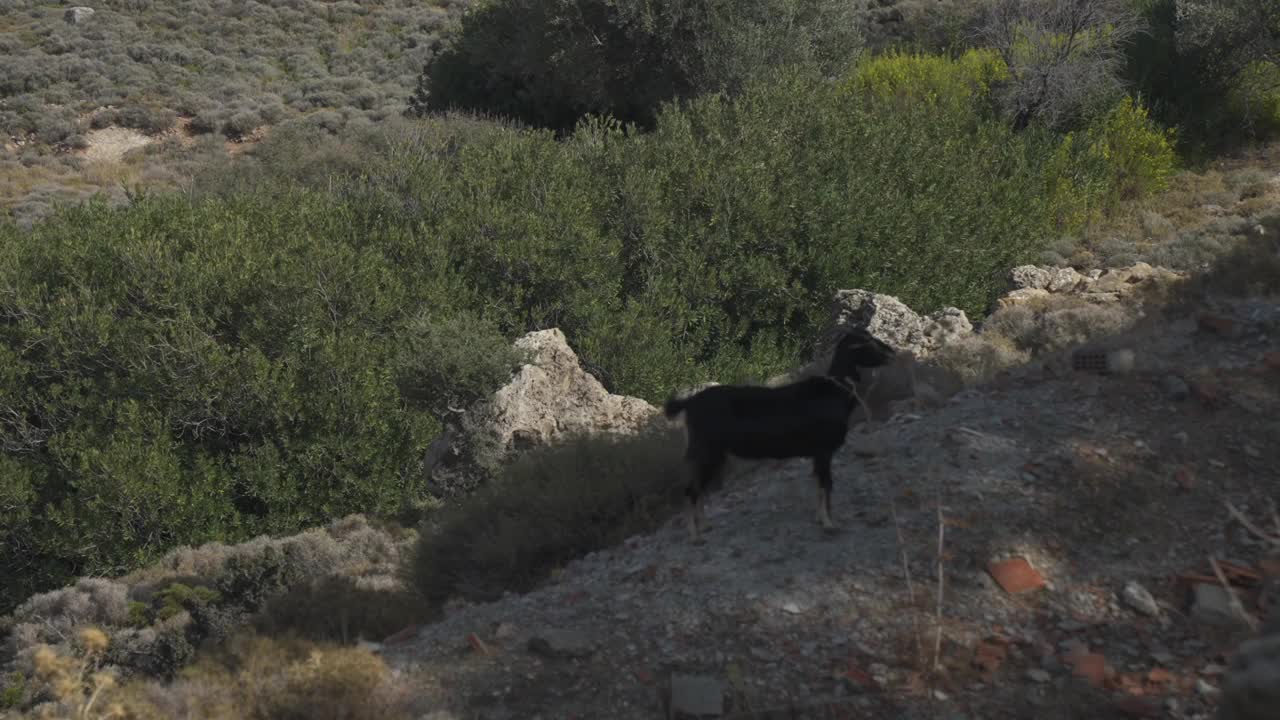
x: 822, y: 468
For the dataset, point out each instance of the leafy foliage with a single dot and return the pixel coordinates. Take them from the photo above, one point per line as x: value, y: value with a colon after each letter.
x: 264, y: 355
x: 1210, y: 68
x: 176, y: 373
x: 549, y: 63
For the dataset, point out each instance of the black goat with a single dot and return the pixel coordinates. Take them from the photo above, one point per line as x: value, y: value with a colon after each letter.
x: 808, y: 418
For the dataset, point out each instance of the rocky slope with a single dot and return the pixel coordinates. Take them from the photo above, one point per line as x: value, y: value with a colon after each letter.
x: 1104, y: 492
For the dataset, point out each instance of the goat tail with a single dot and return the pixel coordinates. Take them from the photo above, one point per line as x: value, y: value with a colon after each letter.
x: 674, y: 407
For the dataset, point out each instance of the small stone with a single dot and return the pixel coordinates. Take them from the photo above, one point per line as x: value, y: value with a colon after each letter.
x: 1090, y: 666
x: 1016, y: 576
x: 1175, y: 388
x: 1252, y: 452
x: 1216, y: 464
x: 1164, y: 657
x: 696, y: 696
x: 1271, y: 359
x: 1218, y: 325
x: 1185, y: 478
x: 1213, y: 670
x: 562, y: 644
x: 791, y: 608
x: 1212, y: 605
x: 1205, y: 391
x: 504, y: 631
x: 1040, y: 676
x: 1140, y: 599
x: 1204, y: 687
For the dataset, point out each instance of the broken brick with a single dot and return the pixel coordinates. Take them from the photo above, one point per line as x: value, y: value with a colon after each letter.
x: 988, y: 656
x: 1184, y: 477
x: 402, y: 635
x: 1090, y: 666
x: 478, y: 645
x: 1016, y: 575
x: 1271, y: 359
x: 1159, y: 676
x: 1205, y: 391
x: 1219, y: 325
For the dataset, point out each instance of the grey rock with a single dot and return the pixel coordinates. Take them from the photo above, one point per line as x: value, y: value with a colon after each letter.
x: 1052, y: 279
x: 1212, y: 606
x: 1037, y: 675
x: 1140, y: 599
x: 549, y: 398
x: 1251, y: 688
x: 695, y: 696
x: 562, y: 644
x: 1175, y: 387
x: 77, y: 15
x: 890, y: 320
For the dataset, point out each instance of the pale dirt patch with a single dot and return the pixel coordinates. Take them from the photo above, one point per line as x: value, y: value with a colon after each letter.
x: 111, y: 144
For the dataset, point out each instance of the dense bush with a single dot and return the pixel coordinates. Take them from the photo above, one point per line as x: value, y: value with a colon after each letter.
x: 1211, y: 69
x: 176, y: 373
x: 549, y: 63
x: 262, y: 356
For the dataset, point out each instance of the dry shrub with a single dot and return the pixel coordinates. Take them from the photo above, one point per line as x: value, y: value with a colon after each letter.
x: 1056, y: 323
x: 1250, y: 267
x: 549, y: 506
x: 252, y: 678
x: 979, y: 358
x: 338, y: 583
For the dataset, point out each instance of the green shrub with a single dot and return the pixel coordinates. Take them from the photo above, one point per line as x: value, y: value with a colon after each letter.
x: 551, y: 63
x: 550, y: 506
x: 1204, y: 77
x: 270, y: 352
x: 242, y: 383
x: 1138, y: 154
x: 179, y: 598
x: 451, y: 362
x: 15, y: 689
x: 966, y: 82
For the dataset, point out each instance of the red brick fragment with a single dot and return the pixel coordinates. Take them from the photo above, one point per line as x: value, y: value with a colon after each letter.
x: 1016, y: 575
x: 402, y: 635
x: 1219, y: 325
x: 988, y: 656
x: 1090, y: 666
x: 1205, y: 391
x: 1184, y: 477
x: 478, y: 645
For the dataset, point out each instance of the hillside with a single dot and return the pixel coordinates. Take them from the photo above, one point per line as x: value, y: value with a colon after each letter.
x: 189, y: 81
x: 339, y: 397
x: 1113, y: 488
x: 1099, y: 482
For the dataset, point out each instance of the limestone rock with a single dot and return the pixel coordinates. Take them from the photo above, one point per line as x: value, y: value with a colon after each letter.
x: 1052, y: 279
x: 548, y: 398
x: 77, y: 15
x: 890, y: 320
